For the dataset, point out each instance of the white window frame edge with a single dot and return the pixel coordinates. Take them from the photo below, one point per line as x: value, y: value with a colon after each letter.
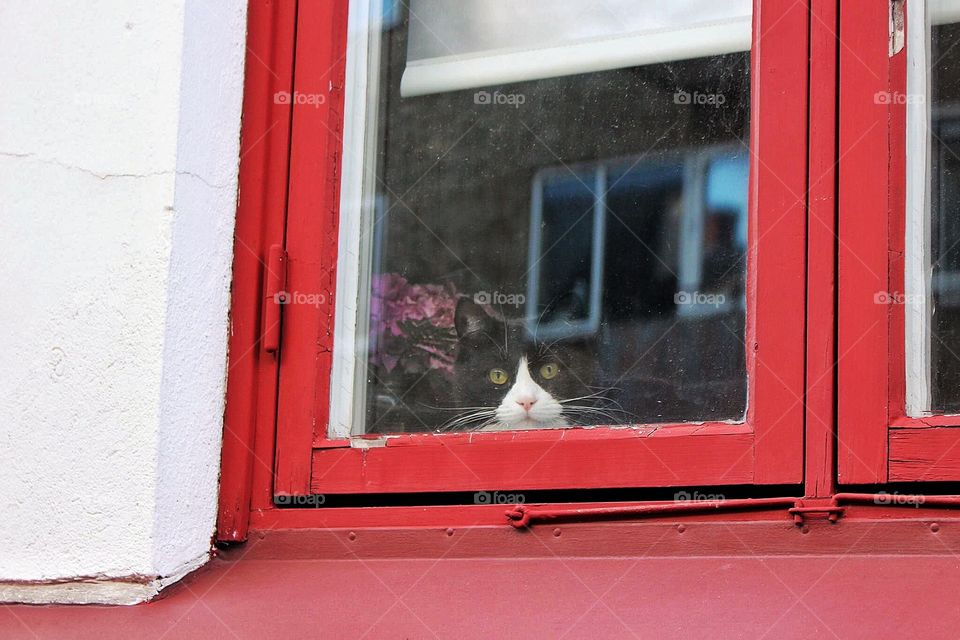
x: 917, y: 265
x: 357, y: 208
x: 692, y: 218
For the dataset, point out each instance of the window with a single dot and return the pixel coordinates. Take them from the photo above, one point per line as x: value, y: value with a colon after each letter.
x: 596, y: 247
x: 933, y: 199
x: 899, y: 259
x: 567, y: 248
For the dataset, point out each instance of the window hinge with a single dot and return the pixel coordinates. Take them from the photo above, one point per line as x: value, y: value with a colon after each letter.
x: 274, y: 297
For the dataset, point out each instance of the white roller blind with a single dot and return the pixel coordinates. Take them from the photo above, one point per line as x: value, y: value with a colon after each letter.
x: 944, y: 11
x: 463, y: 44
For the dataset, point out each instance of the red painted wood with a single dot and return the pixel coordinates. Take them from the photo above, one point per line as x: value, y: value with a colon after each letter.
x: 863, y: 331
x: 768, y: 532
x: 264, y: 147
x: 777, y: 233
x: 775, y: 345
x: 776, y: 410
x: 877, y: 442
x: 312, y: 238
x: 924, y: 423
x: 821, y: 253
x: 491, y: 517
x: 928, y: 455
x: 613, y: 459
x: 897, y: 214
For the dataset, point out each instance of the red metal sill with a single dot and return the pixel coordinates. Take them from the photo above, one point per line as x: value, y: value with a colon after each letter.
x: 246, y: 594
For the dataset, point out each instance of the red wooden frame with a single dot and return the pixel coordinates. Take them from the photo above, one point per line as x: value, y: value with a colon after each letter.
x: 819, y: 469
x: 863, y: 327
x: 878, y: 442
x: 249, y: 420
x: 766, y: 450
x: 312, y: 240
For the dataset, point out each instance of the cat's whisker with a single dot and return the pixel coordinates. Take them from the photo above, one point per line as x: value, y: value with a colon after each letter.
x: 590, y: 412
x: 605, y: 409
x: 450, y: 408
x: 466, y: 419
x: 599, y: 395
x: 590, y: 421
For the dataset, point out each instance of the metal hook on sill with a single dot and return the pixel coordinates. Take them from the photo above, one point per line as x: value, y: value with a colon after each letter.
x: 521, y: 516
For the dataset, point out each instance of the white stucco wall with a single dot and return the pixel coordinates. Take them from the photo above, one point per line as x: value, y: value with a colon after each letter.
x: 119, y: 136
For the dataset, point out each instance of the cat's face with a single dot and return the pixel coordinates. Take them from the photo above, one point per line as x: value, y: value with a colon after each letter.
x: 509, y: 382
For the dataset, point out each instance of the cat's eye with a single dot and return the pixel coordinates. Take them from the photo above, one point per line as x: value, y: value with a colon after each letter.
x: 498, y: 376
x: 549, y: 370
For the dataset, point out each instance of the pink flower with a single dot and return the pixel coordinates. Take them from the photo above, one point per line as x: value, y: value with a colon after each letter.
x: 411, y: 326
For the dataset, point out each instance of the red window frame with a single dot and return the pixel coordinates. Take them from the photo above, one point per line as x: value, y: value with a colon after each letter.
x: 290, y: 196
x: 878, y: 442
x: 767, y: 449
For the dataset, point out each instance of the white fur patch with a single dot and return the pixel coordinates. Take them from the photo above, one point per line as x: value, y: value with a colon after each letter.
x: 527, y: 405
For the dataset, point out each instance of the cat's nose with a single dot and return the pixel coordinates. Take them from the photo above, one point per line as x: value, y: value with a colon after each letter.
x: 527, y: 403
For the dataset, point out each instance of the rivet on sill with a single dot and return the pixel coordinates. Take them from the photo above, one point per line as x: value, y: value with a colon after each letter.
x: 556, y: 533
x: 681, y: 528
x: 352, y: 535
x: 934, y: 527
x: 804, y: 529
x: 449, y: 532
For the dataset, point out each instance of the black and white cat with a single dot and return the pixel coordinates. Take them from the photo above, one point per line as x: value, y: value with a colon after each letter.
x: 503, y: 380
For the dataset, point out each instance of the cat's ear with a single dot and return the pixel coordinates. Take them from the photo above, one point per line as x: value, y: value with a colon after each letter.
x: 471, y: 318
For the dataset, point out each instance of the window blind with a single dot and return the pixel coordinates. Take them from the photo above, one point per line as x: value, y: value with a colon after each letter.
x: 479, y: 43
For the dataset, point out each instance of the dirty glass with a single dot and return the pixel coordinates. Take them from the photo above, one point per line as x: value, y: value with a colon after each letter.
x: 561, y: 249
x: 945, y: 215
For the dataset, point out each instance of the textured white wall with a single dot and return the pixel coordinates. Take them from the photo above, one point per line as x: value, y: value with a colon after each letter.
x: 119, y: 134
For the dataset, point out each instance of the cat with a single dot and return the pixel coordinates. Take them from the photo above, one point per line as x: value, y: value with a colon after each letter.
x: 504, y: 379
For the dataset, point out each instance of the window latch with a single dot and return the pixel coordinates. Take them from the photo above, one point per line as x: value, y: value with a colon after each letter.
x: 828, y: 509
x: 275, y: 296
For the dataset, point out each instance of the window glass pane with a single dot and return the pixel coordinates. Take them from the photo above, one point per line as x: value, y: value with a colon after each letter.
x: 945, y: 214
x: 567, y: 250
